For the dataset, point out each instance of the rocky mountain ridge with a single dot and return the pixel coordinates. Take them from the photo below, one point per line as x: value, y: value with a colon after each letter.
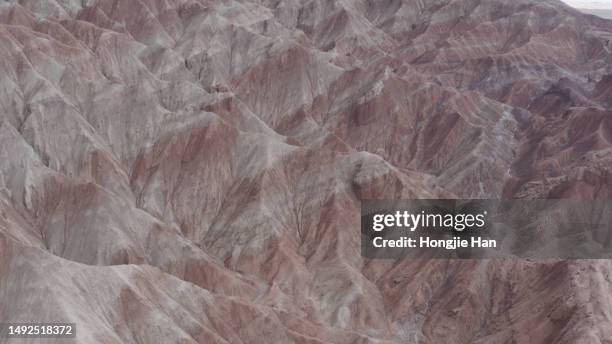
x: 190, y: 171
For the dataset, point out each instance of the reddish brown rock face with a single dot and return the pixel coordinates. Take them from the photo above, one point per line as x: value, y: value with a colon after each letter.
x: 190, y: 171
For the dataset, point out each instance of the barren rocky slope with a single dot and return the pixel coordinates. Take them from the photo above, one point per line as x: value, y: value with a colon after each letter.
x: 189, y: 171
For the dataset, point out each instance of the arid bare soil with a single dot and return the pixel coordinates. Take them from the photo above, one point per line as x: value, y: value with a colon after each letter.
x: 190, y: 171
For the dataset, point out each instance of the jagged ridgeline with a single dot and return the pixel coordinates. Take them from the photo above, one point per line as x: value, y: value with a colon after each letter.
x: 191, y: 171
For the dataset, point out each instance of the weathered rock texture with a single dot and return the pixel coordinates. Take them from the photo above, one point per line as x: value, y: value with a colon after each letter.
x: 189, y: 171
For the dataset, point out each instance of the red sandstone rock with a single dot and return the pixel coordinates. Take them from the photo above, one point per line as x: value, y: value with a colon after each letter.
x: 190, y: 171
